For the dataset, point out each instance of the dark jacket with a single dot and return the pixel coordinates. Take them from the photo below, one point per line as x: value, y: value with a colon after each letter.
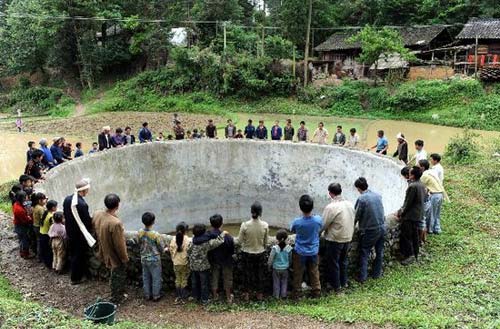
x: 276, y: 133
x: 249, y: 132
x: 226, y: 131
x: 339, y: 140
x: 261, y: 133
x: 370, y: 212
x: 223, y: 254
x: 402, y: 152
x: 145, y: 135
x: 103, y: 143
x: 132, y: 140
x: 413, y: 206
x: 34, y: 169
x: 57, y: 153
x: 289, y: 132
x: 72, y: 229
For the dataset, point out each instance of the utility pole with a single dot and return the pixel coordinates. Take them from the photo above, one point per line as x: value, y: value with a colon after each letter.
x: 475, y: 57
x: 225, y: 36
x: 306, y: 53
x: 262, y: 39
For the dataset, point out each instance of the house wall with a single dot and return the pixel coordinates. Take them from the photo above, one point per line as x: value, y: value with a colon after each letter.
x: 430, y: 72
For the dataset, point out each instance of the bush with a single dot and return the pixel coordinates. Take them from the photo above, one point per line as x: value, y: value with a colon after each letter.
x: 462, y: 149
x: 35, y: 100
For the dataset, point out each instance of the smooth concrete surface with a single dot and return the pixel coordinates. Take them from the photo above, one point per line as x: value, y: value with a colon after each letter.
x: 192, y: 180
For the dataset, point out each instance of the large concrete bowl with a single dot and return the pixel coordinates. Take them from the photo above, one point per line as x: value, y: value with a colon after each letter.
x: 192, y: 180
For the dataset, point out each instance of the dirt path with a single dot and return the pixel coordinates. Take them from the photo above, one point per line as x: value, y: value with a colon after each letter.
x: 37, y: 283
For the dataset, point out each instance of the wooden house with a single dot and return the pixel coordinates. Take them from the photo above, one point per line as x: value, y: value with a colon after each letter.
x: 482, y: 35
x: 337, y: 55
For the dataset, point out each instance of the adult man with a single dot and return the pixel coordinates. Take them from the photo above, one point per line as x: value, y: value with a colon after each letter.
x: 402, y: 151
x: 370, y: 219
x: 420, y: 153
x: 35, y: 168
x: 338, y: 229
x: 178, y: 131
x: 211, y: 129
x: 112, y: 247
x: 302, y: 132
x: 276, y: 131
x: 382, y: 143
x: 353, y: 138
x: 118, y: 139
x: 129, y: 138
x: 289, y: 131
x: 47, y: 160
x: 249, y: 130
x: 145, y: 134
x: 411, y: 215
x: 321, y: 133
x: 339, y: 137
x: 436, y: 195
x: 78, y: 227
x: 305, y: 254
x: 104, y: 139
x: 261, y: 131
x: 230, y: 130
x: 437, y: 168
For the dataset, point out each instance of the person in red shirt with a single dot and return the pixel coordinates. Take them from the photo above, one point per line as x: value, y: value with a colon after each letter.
x: 22, y: 224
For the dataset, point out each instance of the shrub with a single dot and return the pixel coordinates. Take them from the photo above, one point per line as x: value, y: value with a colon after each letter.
x: 462, y: 149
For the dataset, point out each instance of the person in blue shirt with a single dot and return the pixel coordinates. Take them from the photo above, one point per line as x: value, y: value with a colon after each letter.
x: 305, y: 255
x: 56, y: 150
x: 78, y: 152
x: 276, y: 132
x: 250, y: 130
x: 382, y: 143
x: 145, y: 134
x: 371, y: 223
x: 47, y: 160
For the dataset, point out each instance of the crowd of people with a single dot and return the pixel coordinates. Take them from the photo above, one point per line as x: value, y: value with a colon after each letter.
x: 207, y: 258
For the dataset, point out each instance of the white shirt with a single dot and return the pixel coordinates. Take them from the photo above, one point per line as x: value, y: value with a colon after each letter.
x: 420, y: 155
x: 353, y: 140
x: 322, y: 135
x: 439, y: 172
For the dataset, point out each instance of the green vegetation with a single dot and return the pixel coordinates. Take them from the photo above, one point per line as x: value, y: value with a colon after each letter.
x: 455, y: 285
x: 5, y: 203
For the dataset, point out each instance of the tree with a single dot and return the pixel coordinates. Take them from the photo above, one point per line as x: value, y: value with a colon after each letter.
x: 376, y: 42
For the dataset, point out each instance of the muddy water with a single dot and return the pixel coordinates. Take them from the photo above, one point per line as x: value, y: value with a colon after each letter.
x: 234, y: 229
x: 13, y: 152
x: 435, y: 137
x: 14, y: 145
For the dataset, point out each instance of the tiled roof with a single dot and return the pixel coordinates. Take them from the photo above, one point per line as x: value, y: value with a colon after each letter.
x: 482, y: 28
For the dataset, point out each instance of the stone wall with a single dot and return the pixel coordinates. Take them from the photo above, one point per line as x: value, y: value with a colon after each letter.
x: 191, y: 180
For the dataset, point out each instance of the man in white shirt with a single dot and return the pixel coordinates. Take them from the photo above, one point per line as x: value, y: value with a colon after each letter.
x: 437, y: 168
x: 353, y: 138
x: 338, y: 230
x: 421, y: 154
x: 320, y: 133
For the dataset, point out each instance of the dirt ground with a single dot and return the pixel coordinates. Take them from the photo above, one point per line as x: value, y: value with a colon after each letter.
x: 37, y: 283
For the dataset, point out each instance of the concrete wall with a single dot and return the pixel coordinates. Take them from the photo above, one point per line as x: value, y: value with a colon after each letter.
x: 191, y: 180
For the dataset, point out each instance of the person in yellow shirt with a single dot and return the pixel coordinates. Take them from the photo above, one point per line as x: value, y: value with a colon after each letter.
x: 436, y: 195
x: 44, y: 240
x: 38, y: 200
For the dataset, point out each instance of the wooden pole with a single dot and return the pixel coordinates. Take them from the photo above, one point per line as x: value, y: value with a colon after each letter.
x: 225, y: 36
x: 306, y: 53
x: 475, y: 58
x: 293, y: 61
x: 263, y: 38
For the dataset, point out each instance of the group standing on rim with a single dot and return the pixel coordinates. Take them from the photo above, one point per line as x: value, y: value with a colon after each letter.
x: 207, y: 258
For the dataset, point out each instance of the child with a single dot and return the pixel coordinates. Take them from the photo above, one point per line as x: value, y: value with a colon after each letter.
x: 45, y: 223
x: 178, y: 251
x: 152, y: 245
x: 57, y: 235
x: 38, y: 200
x: 195, y: 134
x: 95, y: 148
x: 198, y: 261
x: 279, y: 261
x: 305, y: 255
x: 22, y: 224
x: 437, y: 168
x: 221, y: 260
x: 239, y: 134
x: 160, y: 137
x: 78, y: 152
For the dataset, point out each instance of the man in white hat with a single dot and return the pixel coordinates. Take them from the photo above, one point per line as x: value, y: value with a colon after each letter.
x: 402, y: 151
x: 104, y: 139
x: 78, y: 227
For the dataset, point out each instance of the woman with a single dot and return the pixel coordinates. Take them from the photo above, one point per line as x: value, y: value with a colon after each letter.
x: 22, y: 223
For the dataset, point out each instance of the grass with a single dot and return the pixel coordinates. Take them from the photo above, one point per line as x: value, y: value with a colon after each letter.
x: 456, y: 285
